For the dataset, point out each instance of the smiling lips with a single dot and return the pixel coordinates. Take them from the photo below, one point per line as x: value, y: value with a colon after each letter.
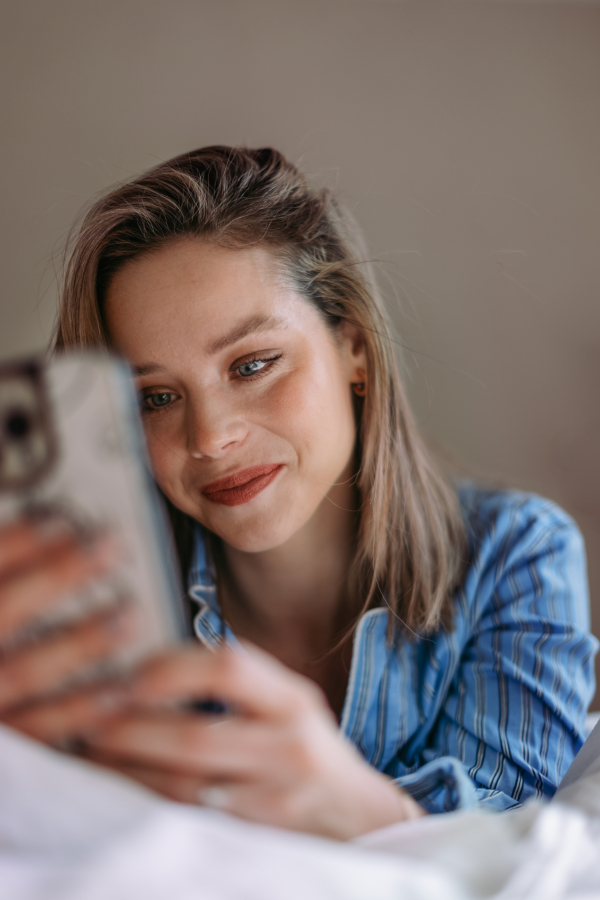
x: 243, y: 486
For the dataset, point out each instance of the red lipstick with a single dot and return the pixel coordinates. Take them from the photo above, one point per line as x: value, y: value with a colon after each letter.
x: 243, y: 486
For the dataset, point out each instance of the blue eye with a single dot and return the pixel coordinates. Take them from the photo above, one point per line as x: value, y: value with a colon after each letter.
x: 158, y: 400
x: 251, y: 367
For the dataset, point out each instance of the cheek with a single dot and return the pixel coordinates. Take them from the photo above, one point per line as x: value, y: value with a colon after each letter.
x: 165, y: 460
x: 312, y: 409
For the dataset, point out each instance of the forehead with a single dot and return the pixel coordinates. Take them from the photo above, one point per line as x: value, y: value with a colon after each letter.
x: 193, y: 268
x: 191, y: 289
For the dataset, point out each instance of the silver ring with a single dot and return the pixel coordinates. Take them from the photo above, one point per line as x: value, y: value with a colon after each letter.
x: 214, y: 797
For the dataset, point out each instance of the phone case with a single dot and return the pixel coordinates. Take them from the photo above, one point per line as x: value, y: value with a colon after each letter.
x: 72, y: 445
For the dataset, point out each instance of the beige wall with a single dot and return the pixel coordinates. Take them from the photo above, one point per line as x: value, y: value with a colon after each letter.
x: 465, y: 137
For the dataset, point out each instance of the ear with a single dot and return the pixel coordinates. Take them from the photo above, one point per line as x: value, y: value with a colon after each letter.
x: 354, y: 349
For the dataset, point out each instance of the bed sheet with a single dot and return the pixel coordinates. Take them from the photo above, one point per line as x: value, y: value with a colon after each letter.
x: 73, y: 831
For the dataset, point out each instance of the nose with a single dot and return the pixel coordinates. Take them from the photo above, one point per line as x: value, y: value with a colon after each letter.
x: 214, y: 427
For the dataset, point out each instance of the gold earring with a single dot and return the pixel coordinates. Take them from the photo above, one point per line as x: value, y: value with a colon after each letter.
x: 360, y: 387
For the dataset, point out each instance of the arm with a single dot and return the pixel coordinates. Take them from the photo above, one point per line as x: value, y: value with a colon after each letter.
x: 514, y: 714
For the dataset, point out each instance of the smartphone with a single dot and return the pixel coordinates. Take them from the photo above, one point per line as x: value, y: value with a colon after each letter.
x: 72, y: 448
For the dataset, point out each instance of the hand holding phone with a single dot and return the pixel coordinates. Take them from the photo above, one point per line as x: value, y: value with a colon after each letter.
x: 87, y: 588
x: 39, y: 564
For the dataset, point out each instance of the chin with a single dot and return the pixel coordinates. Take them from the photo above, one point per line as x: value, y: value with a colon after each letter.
x: 255, y: 537
x: 250, y: 530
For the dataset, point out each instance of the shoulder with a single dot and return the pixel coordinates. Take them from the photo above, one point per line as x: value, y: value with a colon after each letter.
x: 501, y: 521
x: 523, y: 549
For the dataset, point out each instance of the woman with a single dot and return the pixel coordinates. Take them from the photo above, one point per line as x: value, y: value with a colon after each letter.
x: 448, y: 633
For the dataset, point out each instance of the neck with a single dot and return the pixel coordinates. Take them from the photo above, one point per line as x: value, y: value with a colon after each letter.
x: 292, y: 600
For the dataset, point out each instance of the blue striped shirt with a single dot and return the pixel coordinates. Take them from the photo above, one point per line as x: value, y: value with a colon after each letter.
x: 492, y: 712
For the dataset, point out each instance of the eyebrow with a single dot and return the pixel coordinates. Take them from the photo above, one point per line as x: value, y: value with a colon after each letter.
x: 149, y: 369
x: 250, y: 326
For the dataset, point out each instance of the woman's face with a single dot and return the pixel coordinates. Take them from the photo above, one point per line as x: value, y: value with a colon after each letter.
x: 246, y: 393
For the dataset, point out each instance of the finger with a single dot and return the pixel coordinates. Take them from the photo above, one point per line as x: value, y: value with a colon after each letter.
x: 27, y: 594
x: 69, y: 716
x: 44, y: 667
x: 266, y: 803
x: 192, y: 744
x: 254, y: 682
x: 255, y: 801
x: 22, y: 542
x: 238, y: 797
x: 174, y: 785
x: 251, y: 800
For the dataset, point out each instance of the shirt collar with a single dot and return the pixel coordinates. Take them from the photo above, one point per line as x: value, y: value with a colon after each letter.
x: 209, y: 625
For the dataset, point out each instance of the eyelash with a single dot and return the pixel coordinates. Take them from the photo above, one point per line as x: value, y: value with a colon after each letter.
x: 260, y: 374
x: 256, y: 359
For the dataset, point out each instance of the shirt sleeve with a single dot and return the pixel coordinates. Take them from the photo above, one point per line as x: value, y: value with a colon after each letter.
x: 440, y: 786
x: 514, y: 716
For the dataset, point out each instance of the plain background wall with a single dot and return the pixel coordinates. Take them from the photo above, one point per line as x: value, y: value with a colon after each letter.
x: 464, y: 136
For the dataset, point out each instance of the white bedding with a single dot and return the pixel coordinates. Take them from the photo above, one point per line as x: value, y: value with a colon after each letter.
x: 71, y: 831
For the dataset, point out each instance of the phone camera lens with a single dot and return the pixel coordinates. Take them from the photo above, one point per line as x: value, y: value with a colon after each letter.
x: 17, y: 425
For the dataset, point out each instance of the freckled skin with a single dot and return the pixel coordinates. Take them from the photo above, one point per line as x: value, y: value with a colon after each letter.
x: 167, y: 308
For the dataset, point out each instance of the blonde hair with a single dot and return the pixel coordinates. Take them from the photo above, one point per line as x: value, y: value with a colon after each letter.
x: 410, y: 546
